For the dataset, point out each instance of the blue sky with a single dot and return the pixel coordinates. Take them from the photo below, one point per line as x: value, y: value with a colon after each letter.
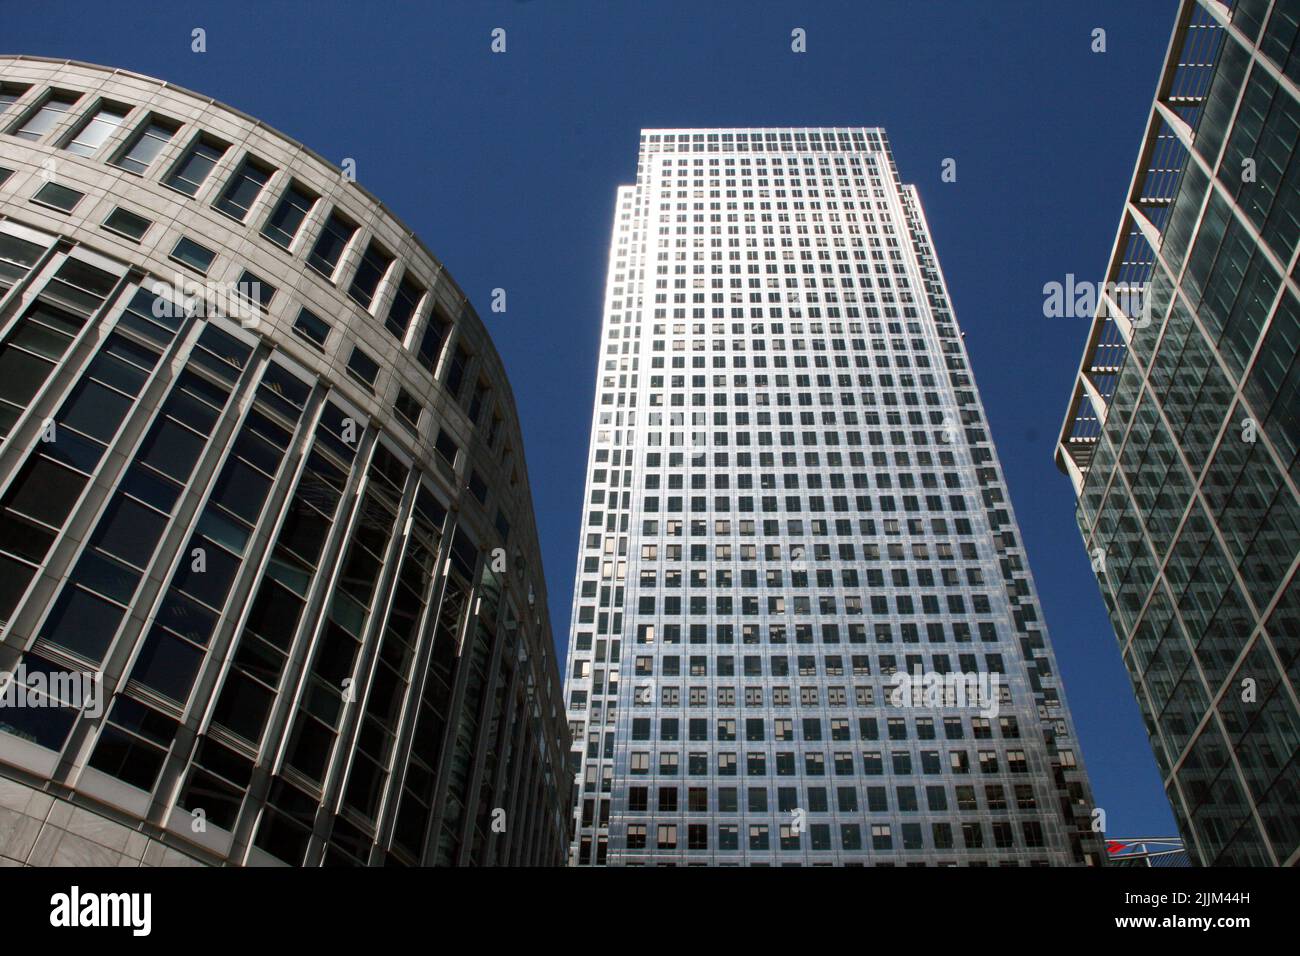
x: 507, y: 164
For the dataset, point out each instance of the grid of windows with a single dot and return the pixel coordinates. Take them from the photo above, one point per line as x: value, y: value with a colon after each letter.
x: 1184, y: 453
x: 792, y: 498
x: 218, y: 520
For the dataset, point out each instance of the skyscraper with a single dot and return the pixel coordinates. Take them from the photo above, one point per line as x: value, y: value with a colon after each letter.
x: 270, y: 589
x: 793, y: 502
x: 1182, y: 432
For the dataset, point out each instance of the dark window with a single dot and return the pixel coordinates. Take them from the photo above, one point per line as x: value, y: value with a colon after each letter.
x: 407, y: 408
x: 435, y: 334
x: 284, y: 222
x: 255, y: 290
x: 243, y: 189
x: 363, y: 368
x: 190, y: 253
x: 188, y: 175
x: 58, y: 197
x: 405, y: 302
x: 374, y: 266
x: 82, y: 623
x: 446, y: 447
x: 133, y: 743
x: 127, y: 224
x: 456, y: 371
x: 315, y: 330
x: 331, y: 242
x: 478, y: 487
x: 9, y: 93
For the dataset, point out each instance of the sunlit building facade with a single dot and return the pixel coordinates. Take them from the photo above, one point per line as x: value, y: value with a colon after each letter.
x: 792, y: 501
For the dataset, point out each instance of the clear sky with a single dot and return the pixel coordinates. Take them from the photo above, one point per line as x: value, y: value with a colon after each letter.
x: 506, y: 165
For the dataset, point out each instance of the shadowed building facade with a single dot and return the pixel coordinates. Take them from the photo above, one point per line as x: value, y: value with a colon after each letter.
x: 270, y: 589
x: 1181, y: 437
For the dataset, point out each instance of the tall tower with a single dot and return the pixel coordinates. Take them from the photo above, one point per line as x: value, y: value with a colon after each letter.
x: 792, y: 499
x: 1182, y: 432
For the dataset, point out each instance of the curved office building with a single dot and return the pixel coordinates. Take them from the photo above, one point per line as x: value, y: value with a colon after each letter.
x: 270, y: 588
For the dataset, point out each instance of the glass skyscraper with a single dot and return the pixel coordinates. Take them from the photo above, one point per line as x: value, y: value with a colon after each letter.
x: 792, y: 503
x: 1182, y: 433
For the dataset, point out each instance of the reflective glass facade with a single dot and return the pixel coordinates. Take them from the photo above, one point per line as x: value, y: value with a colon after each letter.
x: 1183, y: 432
x: 792, y: 499
x: 269, y: 580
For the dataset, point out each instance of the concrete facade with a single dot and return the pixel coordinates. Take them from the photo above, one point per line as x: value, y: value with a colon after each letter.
x: 262, y: 495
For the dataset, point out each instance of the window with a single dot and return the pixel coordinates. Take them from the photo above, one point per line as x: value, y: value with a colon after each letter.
x: 374, y: 266
x: 30, y: 353
x: 189, y: 174
x: 5, y: 174
x: 287, y: 218
x: 315, y: 330
x: 405, y: 301
x: 331, y: 242
x: 446, y: 447
x: 478, y: 488
x: 408, y: 409
x: 127, y: 224
x: 96, y: 130
x: 255, y: 290
x: 17, y: 256
x: 146, y: 146
x: 243, y: 189
x: 190, y: 253
x: 9, y: 93
x: 363, y: 368
x: 435, y: 334
x: 58, y: 197
x: 45, y: 117
x: 456, y: 370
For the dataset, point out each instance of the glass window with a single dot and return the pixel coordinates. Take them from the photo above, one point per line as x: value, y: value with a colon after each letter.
x: 283, y: 224
x: 46, y: 116
x: 405, y: 301
x: 9, y: 93
x: 190, y: 253
x: 312, y: 328
x: 333, y: 239
x: 127, y: 224
x: 435, y: 335
x: 374, y: 266
x: 17, y: 256
x: 446, y: 447
x: 456, y: 371
x: 189, y: 174
x: 96, y: 130
x: 146, y: 146
x: 255, y: 290
x: 407, y: 408
x: 82, y: 623
x: 58, y: 197
x: 243, y: 189
x: 363, y: 368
